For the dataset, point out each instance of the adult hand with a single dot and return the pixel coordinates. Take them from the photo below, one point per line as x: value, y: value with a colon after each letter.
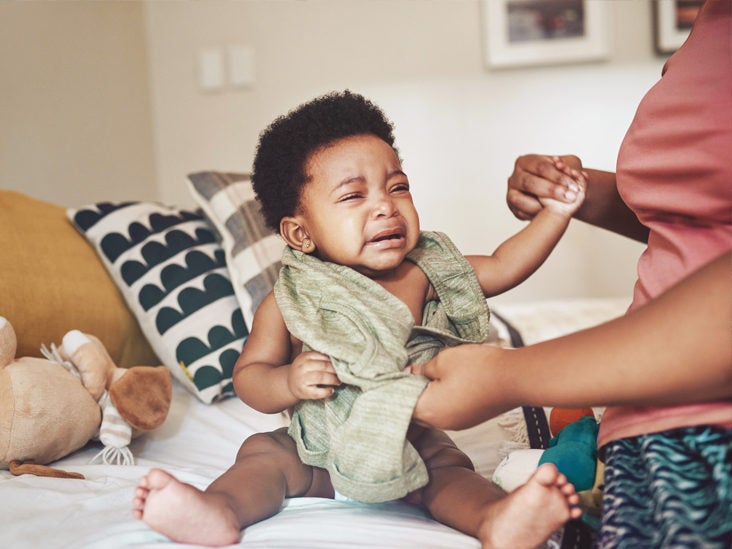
x: 539, y: 176
x: 639, y: 359
x: 465, y: 387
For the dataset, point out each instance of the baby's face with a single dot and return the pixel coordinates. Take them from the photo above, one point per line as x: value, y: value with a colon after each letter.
x: 357, y: 207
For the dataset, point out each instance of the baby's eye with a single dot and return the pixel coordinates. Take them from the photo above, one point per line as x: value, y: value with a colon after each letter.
x: 400, y: 187
x: 350, y: 196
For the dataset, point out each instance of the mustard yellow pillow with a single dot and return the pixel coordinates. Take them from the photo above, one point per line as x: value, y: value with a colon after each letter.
x: 51, y: 281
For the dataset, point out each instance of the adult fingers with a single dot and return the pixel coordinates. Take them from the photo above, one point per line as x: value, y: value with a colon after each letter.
x: 522, y: 205
x: 415, y: 369
x: 429, y: 369
x: 540, y: 177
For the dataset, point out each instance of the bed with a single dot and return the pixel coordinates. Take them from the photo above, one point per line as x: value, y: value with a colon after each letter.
x: 203, y: 430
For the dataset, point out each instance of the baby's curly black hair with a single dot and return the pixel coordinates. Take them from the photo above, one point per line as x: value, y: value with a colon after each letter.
x: 286, y: 145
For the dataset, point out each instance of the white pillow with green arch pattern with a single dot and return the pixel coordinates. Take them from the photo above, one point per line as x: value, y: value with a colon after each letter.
x: 171, y: 271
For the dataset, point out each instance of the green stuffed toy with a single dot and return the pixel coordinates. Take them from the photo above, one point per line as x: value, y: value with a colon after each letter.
x: 574, y: 451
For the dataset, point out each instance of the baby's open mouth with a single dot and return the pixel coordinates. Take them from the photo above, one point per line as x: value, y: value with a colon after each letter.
x: 395, y: 233
x: 392, y: 236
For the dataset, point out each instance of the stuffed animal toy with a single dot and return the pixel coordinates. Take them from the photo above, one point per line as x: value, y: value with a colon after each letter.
x: 51, y: 407
x: 573, y: 449
x: 559, y: 418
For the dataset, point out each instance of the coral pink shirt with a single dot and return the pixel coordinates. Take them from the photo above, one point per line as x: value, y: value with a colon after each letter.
x: 674, y: 171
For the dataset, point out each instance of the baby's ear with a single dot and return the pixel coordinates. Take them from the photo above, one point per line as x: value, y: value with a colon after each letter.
x: 294, y: 234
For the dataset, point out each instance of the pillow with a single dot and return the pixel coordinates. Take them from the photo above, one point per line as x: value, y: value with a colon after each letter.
x: 253, y: 251
x: 171, y: 270
x: 51, y: 282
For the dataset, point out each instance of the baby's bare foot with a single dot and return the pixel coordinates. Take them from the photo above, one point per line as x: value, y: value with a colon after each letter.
x: 530, y: 514
x: 183, y: 512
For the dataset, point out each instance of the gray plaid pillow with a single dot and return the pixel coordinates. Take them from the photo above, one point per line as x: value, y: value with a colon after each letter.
x: 253, y: 251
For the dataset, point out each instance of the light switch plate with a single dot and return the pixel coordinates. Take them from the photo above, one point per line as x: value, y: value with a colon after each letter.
x: 241, y: 66
x: 210, y: 69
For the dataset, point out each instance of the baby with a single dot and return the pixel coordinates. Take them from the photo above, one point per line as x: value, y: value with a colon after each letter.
x: 362, y: 295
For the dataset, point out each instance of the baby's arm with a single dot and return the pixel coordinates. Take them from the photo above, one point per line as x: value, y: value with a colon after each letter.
x: 519, y: 256
x: 266, y: 378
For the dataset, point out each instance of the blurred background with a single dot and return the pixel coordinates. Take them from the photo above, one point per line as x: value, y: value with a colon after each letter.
x: 107, y: 100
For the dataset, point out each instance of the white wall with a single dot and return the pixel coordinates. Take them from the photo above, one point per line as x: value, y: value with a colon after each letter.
x: 100, y: 100
x: 459, y: 126
x: 75, y: 110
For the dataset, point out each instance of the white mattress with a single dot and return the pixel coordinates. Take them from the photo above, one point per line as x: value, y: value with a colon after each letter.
x: 198, y: 442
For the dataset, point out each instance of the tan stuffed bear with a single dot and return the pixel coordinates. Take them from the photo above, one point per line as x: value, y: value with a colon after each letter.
x: 50, y: 408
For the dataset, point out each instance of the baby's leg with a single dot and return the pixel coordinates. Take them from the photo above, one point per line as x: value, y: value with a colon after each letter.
x: 267, y: 470
x: 461, y: 498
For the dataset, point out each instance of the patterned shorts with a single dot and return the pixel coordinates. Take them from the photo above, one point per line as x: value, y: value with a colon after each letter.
x: 670, y: 489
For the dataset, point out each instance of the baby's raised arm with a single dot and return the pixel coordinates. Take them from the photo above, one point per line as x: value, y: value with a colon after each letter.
x: 540, y: 176
x: 522, y: 254
x: 265, y: 376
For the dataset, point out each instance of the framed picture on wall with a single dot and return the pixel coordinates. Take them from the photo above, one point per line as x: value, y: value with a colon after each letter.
x: 539, y: 32
x: 672, y: 22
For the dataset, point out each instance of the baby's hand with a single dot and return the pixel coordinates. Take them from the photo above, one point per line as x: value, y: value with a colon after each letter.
x: 312, y: 376
x: 575, y: 192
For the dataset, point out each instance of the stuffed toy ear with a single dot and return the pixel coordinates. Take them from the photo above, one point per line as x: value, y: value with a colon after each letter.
x: 8, y: 342
x: 91, y: 359
x: 142, y: 396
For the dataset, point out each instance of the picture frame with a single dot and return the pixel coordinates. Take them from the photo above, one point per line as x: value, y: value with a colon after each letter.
x: 672, y: 21
x: 520, y: 33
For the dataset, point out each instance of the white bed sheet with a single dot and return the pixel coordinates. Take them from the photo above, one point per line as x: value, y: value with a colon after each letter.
x: 197, y: 443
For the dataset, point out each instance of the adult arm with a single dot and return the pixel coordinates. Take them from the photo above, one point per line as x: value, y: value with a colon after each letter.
x: 676, y: 349
x: 536, y: 176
